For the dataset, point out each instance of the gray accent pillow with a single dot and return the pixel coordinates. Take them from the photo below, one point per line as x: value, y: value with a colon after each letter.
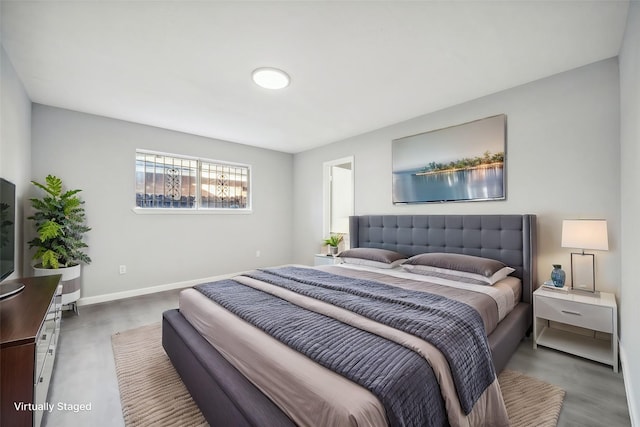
x: 483, y: 270
x: 372, y: 257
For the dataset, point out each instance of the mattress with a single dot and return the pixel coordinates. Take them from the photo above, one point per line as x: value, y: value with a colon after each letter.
x: 312, y: 395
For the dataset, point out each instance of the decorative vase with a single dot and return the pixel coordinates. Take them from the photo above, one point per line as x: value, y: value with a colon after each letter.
x: 333, y: 250
x: 557, y: 276
x: 70, y: 281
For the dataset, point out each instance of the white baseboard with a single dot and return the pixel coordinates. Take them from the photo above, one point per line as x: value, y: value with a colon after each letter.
x: 161, y: 288
x: 150, y: 290
x: 632, y: 401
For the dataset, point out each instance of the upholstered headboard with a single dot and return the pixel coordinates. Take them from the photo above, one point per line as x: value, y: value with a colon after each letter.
x: 507, y: 238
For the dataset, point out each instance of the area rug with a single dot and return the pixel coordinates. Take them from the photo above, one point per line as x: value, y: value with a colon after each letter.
x: 529, y: 401
x: 152, y: 393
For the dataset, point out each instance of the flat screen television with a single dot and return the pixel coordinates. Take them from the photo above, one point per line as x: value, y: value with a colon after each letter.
x: 7, y: 228
x: 465, y: 162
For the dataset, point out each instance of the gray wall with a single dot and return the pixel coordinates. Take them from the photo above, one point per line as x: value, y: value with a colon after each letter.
x: 562, y: 158
x: 630, y: 172
x: 15, y: 146
x: 97, y: 155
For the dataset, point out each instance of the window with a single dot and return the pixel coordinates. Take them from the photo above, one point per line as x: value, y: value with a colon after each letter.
x: 167, y: 181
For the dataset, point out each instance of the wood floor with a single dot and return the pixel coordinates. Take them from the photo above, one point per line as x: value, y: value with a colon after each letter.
x: 595, y: 395
x: 85, y: 372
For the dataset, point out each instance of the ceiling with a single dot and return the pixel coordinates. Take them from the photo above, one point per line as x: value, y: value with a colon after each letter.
x: 355, y: 66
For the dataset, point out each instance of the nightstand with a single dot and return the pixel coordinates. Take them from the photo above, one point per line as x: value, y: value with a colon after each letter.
x: 322, y: 259
x: 557, y: 313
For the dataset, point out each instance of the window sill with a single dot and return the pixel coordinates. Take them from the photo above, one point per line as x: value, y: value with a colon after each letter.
x: 187, y: 211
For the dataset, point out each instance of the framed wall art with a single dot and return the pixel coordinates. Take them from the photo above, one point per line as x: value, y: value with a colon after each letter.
x: 465, y: 162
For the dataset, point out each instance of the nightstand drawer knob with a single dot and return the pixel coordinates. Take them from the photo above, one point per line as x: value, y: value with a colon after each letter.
x: 575, y: 313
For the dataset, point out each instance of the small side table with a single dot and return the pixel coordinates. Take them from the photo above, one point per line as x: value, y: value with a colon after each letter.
x: 323, y: 259
x: 596, y: 313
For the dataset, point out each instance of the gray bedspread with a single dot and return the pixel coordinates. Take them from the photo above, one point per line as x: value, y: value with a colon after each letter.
x: 455, y: 328
x: 402, y: 380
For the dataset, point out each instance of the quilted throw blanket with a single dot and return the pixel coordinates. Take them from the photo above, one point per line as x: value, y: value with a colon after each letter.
x: 399, y: 377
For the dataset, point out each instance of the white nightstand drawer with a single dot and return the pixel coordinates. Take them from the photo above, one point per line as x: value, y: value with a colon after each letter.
x: 594, y: 317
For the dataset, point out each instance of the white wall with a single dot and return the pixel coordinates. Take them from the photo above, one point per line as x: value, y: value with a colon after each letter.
x: 15, y: 146
x: 563, y: 157
x: 630, y: 173
x: 97, y: 155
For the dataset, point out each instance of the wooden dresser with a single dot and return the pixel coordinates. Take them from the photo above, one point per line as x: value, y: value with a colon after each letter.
x: 29, y: 327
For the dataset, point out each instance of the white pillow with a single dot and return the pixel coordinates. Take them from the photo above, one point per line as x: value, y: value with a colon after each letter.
x: 463, y: 276
x: 370, y: 263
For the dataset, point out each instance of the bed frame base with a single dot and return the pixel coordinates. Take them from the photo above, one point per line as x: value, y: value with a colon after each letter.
x: 225, y: 397
x: 504, y: 340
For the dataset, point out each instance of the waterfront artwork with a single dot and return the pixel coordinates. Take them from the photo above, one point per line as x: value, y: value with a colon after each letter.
x: 459, y: 163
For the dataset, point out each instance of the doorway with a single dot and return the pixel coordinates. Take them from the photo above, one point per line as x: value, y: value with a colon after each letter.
x: 338, y: 186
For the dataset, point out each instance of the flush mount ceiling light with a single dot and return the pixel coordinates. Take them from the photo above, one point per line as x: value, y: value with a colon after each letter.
x: 270, y: 78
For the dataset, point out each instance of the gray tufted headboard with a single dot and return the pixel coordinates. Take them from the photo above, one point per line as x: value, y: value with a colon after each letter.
x: 507, y: 238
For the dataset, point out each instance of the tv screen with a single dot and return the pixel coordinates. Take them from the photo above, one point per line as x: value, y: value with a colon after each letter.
x: 7, y: 227
x: 459, y: 163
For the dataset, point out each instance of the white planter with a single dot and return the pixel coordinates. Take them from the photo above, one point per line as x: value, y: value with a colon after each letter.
x: 70, y: 281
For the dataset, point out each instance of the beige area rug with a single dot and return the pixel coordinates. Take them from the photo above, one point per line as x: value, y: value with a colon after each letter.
x: 152, y: 393
x: 530, y: 402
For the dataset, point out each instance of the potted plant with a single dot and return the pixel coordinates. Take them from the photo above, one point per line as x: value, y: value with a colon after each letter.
x: 333, y: 241
x: 59, y: 220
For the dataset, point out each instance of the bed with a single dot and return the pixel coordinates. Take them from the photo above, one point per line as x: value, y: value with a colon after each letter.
x: 225, y: 395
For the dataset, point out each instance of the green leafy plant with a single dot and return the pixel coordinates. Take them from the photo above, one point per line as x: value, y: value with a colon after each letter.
x: 333, y: 240
x: 60, y: 222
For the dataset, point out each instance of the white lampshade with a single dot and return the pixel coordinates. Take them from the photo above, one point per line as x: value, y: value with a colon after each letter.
x: 585, y: 234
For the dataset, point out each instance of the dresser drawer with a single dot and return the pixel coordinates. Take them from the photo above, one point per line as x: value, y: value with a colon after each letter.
x: 598, y: 318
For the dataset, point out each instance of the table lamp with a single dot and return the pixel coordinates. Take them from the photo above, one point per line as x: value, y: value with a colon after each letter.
x: 590, y: 234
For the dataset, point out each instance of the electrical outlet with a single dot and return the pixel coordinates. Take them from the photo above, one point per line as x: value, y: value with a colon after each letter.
x: 258, y: 253
x: 123, y: 269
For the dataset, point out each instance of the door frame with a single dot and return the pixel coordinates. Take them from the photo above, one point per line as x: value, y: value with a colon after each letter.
x: 326, y: 190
